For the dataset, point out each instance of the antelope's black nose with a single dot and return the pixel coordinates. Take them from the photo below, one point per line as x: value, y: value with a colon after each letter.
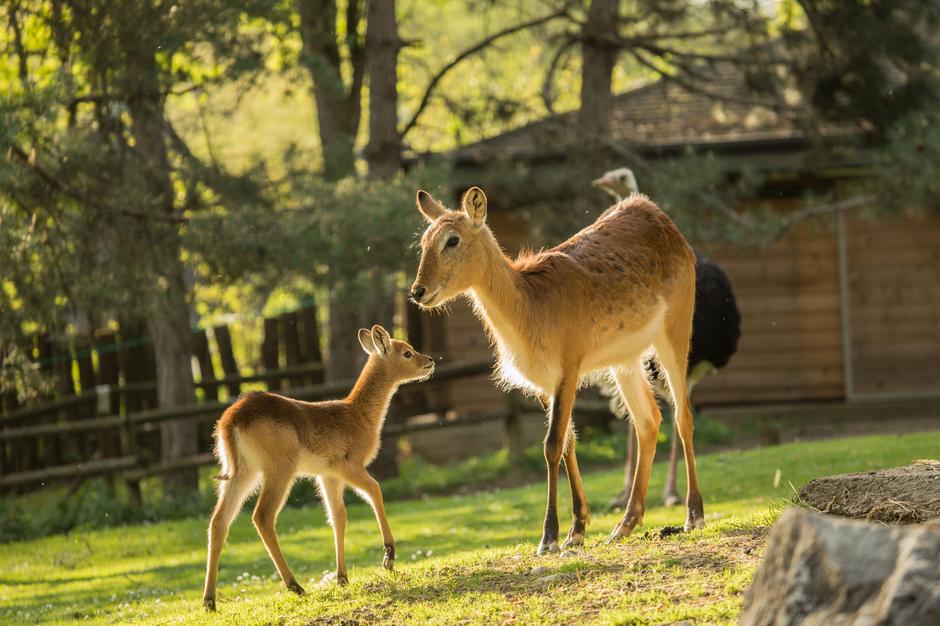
x: 417, y: 293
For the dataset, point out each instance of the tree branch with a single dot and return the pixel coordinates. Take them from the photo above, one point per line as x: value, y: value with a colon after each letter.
x: 30, y: 161
x: 689, y: 86
x: 357, y: 58
x: 854, y: 202
x: 546, y: 92
x: 472, y: 50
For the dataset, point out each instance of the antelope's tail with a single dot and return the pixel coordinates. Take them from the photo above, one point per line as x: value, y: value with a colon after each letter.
x: 226, y: 450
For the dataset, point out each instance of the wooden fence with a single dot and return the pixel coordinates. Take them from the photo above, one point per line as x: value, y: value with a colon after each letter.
x: 112, y: 375
x: 131, y: 463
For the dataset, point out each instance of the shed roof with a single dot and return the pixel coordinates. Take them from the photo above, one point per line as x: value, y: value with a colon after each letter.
x: 719, y: 108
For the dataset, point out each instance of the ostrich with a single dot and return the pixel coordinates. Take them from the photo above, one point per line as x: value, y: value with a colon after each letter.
x: 716, y: 327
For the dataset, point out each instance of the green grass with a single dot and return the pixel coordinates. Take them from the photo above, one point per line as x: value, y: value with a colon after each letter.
x: 460, y: 558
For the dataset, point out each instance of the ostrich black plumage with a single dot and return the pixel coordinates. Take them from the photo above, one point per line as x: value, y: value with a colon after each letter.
x: 716, y: 328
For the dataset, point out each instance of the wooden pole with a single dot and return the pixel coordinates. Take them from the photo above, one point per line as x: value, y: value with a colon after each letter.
x: 269, y: 353
x: 223, y: 341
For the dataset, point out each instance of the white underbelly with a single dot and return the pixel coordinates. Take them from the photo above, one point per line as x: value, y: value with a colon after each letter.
x: 312, y: 465
x: 614, y: 349
x: 533, y: 375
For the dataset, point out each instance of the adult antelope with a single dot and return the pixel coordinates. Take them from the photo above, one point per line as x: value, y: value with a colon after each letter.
x: 267, y: 438
x: 597, y: 303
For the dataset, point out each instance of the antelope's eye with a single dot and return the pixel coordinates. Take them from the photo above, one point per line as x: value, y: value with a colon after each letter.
x: 407, y: 354
x: 453, y: 241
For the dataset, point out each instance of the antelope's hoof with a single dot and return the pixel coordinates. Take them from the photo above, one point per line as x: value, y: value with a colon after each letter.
x: 574, y: 540
x: 388, y: 561
x: 548, y: 548
x: 342, y: 580
x: 671, y: 499
x: 296, y: 588
x: 694, y: 522
x: 208, y: 604
x: 620, y: 531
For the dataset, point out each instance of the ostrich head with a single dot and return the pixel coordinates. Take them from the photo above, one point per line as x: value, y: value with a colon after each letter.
x: 619, y: 183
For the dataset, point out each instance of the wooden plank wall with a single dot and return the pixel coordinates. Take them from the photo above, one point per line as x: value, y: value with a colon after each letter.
x: 894, y: 288
x: 791, y: 328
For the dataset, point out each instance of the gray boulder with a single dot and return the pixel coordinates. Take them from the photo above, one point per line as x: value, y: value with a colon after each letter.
x: 820, y: 570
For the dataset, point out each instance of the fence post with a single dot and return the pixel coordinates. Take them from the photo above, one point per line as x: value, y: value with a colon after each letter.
x: 109, y: 376
x: 311, y: 340
x: 269, y: 353
x: 206, y: 370
x: 128, y: 443
x: 291, y: 334
x: 223, y: 341
x: 512, y: 432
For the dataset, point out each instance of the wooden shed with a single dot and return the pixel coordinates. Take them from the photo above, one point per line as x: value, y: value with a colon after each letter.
x: 839, y: 308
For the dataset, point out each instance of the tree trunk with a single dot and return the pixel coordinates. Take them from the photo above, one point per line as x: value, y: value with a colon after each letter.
x: 346, y: 358
x: 169, y: 312
x: 598, y: 57
x: 178, y: 438
x: 382, y: 45
x: 338, y: 108
x: 338, y: 113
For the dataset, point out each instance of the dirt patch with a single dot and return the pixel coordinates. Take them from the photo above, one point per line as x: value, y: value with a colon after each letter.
x: 900, y: 495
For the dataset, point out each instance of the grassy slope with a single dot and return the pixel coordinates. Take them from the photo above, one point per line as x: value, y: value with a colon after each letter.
x: 461, y: 558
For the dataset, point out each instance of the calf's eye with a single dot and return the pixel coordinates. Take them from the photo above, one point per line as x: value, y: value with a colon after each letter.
x: 453, y: 241
x: 407, y: 354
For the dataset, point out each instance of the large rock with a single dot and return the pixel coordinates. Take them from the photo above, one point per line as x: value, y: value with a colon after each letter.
x: 901, y: 495
x: 820, y: 570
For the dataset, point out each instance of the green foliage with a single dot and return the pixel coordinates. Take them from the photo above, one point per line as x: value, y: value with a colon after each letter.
x: 20, y: 375
x: 868, y: 64
x: 907, y: 165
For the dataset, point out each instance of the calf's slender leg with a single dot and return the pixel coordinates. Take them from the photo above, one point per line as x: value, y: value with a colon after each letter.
x: 368, y: 487
x: 274, y: 487
x: 332, y: 490
x: 232, y: 493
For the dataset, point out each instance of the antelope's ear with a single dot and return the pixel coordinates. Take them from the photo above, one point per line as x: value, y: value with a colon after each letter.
x: 365, y: 340
x: 381, y: 340
x: 430, y: 208
x: 473, y: 204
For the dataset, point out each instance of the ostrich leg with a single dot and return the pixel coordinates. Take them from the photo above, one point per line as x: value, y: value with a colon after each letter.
x: 670, y: 495
x: 620, y: 500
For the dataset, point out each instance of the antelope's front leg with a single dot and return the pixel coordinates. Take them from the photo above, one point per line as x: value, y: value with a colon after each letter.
x: 558, y: 425
x: 579, y: 506
x: 332, y: 490
x: 359, y: 478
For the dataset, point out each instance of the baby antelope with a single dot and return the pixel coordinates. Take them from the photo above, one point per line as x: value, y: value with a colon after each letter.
x: 270, y: 440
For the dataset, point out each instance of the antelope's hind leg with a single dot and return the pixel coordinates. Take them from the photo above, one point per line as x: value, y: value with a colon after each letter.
x: 232, y: 494
x: 675, y: 374
x: 646, y: 418
x: 274, y: 487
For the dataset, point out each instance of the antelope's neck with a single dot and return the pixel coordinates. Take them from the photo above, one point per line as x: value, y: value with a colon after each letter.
x: 373, y: 392
x: 501, y: 304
